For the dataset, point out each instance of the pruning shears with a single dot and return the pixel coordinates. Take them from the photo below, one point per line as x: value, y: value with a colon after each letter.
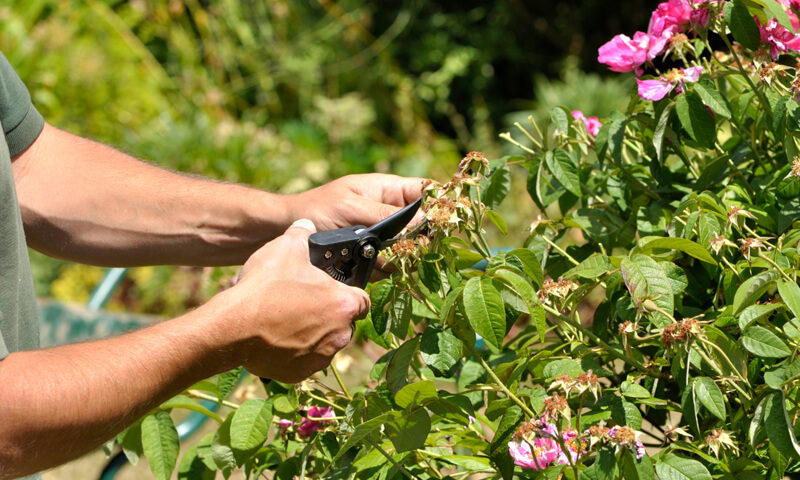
x: 349, y: 254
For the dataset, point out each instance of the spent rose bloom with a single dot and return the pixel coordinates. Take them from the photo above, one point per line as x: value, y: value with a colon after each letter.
x: 779, y: 38
x: 627, y: 437
x: 658, y: 88
x: 534, y: 445
x: 313, y: 423
x: 624, y: 54
x: 671, y: 17
x: 593, y: 124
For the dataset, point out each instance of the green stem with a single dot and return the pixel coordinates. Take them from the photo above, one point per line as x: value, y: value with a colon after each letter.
x: 340, y: 382
x: 502, y: 385
x: 391, y: 460
x: 205, y: 396
x: 560, y: 250
x: 778, y: 267
x: 607, y: 348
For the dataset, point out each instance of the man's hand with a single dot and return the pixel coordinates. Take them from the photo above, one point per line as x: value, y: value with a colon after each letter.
x: 355, y: 200
x: 297, y: 317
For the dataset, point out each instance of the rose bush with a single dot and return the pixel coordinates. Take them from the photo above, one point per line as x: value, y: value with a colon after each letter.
x: 647, y: 328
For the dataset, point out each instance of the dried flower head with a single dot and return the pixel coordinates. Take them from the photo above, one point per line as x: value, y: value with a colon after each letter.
x: 626, y: 327
x: 796, y: 164
x: 718, y: 439
x: 475, y: 162
x: 559, y: 289
x: 748, y: 244
x: 679, y: 331
x: 405, y: 247
x: 555, y: 405
x: 718, y: 241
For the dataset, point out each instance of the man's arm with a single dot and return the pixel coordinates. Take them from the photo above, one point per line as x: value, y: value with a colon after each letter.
x: 56, y: 404
x: 87, y: 202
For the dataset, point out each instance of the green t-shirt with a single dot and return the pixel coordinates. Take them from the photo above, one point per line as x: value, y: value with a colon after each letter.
x: 19, y: 319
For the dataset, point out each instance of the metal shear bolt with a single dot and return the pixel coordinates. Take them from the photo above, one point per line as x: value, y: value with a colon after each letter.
x: 345, y: 251
x: 368, y: 251
x: 328, y: 254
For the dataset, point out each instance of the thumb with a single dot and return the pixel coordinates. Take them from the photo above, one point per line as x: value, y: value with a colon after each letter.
x: 299, y: 231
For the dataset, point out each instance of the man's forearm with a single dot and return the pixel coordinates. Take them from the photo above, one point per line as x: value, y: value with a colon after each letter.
x: 59, y: 403
x: 87, y: 202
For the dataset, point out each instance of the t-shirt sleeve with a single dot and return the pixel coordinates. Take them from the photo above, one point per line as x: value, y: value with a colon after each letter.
x: 22, y: 123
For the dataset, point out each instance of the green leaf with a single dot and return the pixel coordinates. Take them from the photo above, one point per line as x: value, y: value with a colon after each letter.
x: 250, y: 424
x: 661, y: 127
x: 688, y: 247
x: 506, y: 428
x: 757, y: 422
x: 401, y: 312
x: 416, y: 393
x: 763, y: 343
x: 633, y: 390
x: 226, y: 381
x: 485, y: 311
x: 790, y: 294
x: 626, y: 413
x: 397, y: 370
x: 530, y: 264
x: 606, y: 464
x: 710, y: 396
x: 695, y: 119
x: 192, y: 466
x: 564, y: 366
x: 364, y: 430
x: 520, y: 286
x: 633, y: 469
x: 596, y: 265
x: 780, y: 430
x: 710, y: 95
x: 741, y: 23
x: 499, y: 186
x: 408, y: 432
x: 131, y: 442
x: 673, y: 467
x: 441, y: 351
x: 779, y: 12
x: 754, y: 313
x: 379, y: 296
x: 497, y: 221
x: 160, y: 444
x: 564, y: 168
x: 751, y: 290
x: 183, y: 401
x: 560, y: 119
x: 708, y: 227
x: 646, y: 280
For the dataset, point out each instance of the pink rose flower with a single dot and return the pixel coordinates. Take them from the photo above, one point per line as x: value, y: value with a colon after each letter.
x: 624, y: 54
x: 658, y: 88
x: 538, y: 449
x: 670, y: 17
x: 313, y: 423
x: 778, y: 38
x: 593, y: 124
x: 285, y: 424
x: 699, y: 18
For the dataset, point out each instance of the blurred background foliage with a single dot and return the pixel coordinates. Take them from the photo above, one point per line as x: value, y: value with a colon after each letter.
x: 288, y: 95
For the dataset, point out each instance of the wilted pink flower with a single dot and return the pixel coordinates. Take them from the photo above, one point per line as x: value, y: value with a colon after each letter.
x: 626, y: 436
x: 699, y: 18
x: 658, y: 88
x: 623, y: 54
x: 534, y: 445
x: 285, y: 424
x: 671, y: 17
x: 794, y: 5
x: 593, y: 124
x: 312, y: 424
x: 780, y: 39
